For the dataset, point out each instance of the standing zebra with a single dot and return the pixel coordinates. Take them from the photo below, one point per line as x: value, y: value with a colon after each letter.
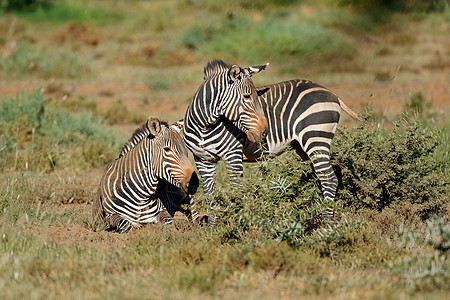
x: 227, y: 94
x: 127, y: 195
x: 300, y: 114
x: 303, y: 115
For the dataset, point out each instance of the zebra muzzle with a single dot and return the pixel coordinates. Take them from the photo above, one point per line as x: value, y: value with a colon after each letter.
x: 190, y: 183
x: 256, y: 136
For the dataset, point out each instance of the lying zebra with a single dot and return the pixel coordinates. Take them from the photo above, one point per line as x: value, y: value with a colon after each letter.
x: 299, y: 113
x: 147, y: 181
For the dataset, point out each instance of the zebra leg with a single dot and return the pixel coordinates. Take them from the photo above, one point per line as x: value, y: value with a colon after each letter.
x: 164, y: 216
x: 233, y: 160
x: 207, y: 170
x: 120, y: 224
x: 328, y: 180
x: 193, y: 214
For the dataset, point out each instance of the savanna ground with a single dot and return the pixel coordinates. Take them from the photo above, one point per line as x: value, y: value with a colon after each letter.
x: 77, y: 77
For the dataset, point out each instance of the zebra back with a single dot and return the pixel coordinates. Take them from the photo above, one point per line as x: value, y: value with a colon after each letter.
x: 299, y: 110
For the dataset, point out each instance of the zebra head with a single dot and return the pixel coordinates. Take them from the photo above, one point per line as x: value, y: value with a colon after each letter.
x: 171, y: 155
x: 236, y: 97
x: 253, y: 120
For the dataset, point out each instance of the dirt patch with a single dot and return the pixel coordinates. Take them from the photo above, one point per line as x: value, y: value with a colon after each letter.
x: 75, y: 235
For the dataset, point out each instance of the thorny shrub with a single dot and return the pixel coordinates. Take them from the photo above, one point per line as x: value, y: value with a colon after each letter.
x: 379, y: 172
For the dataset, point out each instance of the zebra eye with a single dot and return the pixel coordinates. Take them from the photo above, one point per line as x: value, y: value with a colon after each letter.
x: 167, y: 149
x: 247, y: 96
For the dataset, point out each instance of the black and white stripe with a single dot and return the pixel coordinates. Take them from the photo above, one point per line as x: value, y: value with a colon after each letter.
x: 300, y: 114
x: 303, y: 115
x: 226, y: 95
x: 155, y: 158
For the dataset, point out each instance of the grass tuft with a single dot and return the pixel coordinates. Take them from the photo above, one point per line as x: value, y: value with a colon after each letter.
x: 62, y: 11
x: 26, y: 60
x: 300, y: 40
x: 36, y: 134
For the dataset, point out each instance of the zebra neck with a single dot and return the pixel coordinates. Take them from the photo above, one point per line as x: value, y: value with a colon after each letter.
x: 139, y: 171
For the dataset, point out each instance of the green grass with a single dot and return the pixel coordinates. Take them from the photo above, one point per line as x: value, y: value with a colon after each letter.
x: 36, y: 134
x: 27, y: 60
x: 290, y: 38
x: 270, y: 236
x: 390, y: 238
x: 172, y: 263
x: 63, y: 11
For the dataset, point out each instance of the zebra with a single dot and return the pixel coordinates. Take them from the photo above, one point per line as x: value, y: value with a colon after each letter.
x: 135, y: 189
x: 304, y: 115
x: 171, y: 196
x: 300, y: 114
x: 227, y: 93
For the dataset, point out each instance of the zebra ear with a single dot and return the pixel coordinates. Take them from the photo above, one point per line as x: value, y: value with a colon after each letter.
x: 262, y: 91
x: 255, y: 70
x: 234, y: 73
x: 153, y: 125
x: 178, y: 126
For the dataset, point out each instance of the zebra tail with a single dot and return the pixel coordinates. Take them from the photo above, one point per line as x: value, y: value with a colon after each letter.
x: 349, y: 111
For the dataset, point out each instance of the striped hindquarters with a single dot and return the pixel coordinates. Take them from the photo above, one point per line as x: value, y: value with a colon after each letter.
x: 304, y: 115
x: 300, y: 111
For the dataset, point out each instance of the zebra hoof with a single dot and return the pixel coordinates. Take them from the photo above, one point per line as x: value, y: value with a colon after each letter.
x: 201, y: 219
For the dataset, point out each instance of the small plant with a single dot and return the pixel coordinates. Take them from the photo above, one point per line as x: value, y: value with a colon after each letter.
x: 427, y: 260
x: 334, y: 239
x: 36, y: 133
x: 280, y: 185
x: 159, y: 84
x: 26, y: 60
x: 118, y: 113
x: 416, y: 103
x: 383, y: 76
x: 23, y: 5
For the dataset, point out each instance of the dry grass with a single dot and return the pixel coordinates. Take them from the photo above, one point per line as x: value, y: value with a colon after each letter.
x: 128, y: 61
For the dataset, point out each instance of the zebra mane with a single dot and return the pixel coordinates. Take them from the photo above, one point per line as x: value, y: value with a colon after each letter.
x: 215, y: 66
x: 138, y: 135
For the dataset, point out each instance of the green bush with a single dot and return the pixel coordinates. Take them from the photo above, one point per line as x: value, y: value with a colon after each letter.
x: 384, y: 176
x: 61, y: 11
x: 397, y: 5
x: 266, y: 4
x: 23, y: 5
x: 277, y: 37
x: 417, y: 103
x: 36, y: 133
x: 26, y: 60
x: 378, y: 169
x: 118, y: 113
